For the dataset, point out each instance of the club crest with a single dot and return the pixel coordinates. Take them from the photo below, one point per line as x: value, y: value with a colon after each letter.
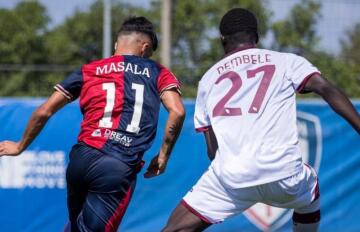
x: 269, y: 218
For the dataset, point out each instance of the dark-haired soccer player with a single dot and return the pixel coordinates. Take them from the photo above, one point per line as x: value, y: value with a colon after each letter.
x: 246, y: 108
x: 120, y: 99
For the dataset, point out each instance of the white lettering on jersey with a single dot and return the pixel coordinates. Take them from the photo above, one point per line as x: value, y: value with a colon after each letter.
x: 118, y: 137
x: 122, y: 67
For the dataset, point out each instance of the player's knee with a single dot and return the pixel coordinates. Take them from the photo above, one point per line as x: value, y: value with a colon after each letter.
x: 306, y: 218
x: 180, y: 229
x: 167, y: 229
x: 185, y: 226
x: 173, y: 226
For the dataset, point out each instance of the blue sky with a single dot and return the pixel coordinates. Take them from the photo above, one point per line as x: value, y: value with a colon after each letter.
x: 338, y: 16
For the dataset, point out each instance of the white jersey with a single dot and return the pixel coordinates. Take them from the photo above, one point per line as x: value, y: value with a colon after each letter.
x: 248, y: 98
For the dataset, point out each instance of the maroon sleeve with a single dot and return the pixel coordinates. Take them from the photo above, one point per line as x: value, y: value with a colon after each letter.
x: 306, y: 79
x: 202, y: 129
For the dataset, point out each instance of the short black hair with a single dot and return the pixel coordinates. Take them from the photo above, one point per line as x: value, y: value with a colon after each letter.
x: 140, y: 24
x: 238, y: 22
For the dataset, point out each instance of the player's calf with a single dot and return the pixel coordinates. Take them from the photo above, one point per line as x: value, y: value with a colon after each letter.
x: 306, y: 222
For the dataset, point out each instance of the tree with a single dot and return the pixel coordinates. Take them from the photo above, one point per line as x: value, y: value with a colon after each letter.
x: 296, y: 33
x: 79, y: 39
x: 351, y: 55
x: 351, y: 46
x: 26, y: 39
x: 24, y: 26
x: 195, y: 43
x: 339, y: 72
x: 195, y: 37
x: 21, y: 42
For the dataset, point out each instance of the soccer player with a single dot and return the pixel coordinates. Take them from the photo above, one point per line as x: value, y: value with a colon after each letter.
x: 246, y: 108
x: 120, y: 99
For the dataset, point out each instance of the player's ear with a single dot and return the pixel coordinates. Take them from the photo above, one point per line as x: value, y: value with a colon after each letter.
x: 223, y: 40
x: 115, y: 46
x: 146, y: 50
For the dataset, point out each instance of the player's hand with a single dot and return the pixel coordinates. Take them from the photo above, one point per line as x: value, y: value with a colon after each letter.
x: 9, y: 148
x: 156, y: 167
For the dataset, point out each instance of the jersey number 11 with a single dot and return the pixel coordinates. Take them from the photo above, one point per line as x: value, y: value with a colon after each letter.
x: 106, y: 122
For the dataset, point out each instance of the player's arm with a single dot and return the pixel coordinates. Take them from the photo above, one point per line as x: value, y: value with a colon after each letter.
x: 172, y: 101
x: 35, y: 124
x: 335, y: 98
x: 211, y: 143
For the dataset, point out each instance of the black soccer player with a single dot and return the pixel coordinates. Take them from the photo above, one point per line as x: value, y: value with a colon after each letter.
x: 120, y: 99
x: 246, y: 108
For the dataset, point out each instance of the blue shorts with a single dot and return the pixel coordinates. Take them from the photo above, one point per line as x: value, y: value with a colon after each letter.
x: 99, y: 188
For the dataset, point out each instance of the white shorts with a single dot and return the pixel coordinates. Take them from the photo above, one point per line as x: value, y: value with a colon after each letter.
x: 213, y: 203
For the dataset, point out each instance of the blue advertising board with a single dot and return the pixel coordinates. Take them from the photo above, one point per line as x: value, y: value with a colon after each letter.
x: 33, y: 187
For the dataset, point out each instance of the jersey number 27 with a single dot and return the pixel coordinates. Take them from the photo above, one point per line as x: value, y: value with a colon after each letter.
x: 221, y: 110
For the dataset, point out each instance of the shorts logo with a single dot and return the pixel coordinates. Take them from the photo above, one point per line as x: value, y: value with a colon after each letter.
x: 269, y: 218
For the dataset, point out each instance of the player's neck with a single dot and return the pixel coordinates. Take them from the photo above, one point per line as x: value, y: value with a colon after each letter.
x: 123, y: 52
x: 127, y: 46
x: 238, y: 47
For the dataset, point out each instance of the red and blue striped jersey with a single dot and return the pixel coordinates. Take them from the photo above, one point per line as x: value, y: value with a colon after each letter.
x: 120, y: 101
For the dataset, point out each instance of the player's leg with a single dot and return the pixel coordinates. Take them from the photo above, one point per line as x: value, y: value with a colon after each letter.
x: 111, y: 184
x: 208, y: 202
x: 75, y: 201
x: 307, y: 218
x: 76, y: 188
x: 104, y: 211
x: 184, y: 219
x: 300, y: 192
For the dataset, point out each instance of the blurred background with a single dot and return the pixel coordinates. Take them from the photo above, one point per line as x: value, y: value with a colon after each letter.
x: 42, y: 41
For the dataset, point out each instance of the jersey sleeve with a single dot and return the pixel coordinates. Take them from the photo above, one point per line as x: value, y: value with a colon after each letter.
x: 201, y: 118
x: 166, y: 81
x: 301, y: 70
x: 71, y: 86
